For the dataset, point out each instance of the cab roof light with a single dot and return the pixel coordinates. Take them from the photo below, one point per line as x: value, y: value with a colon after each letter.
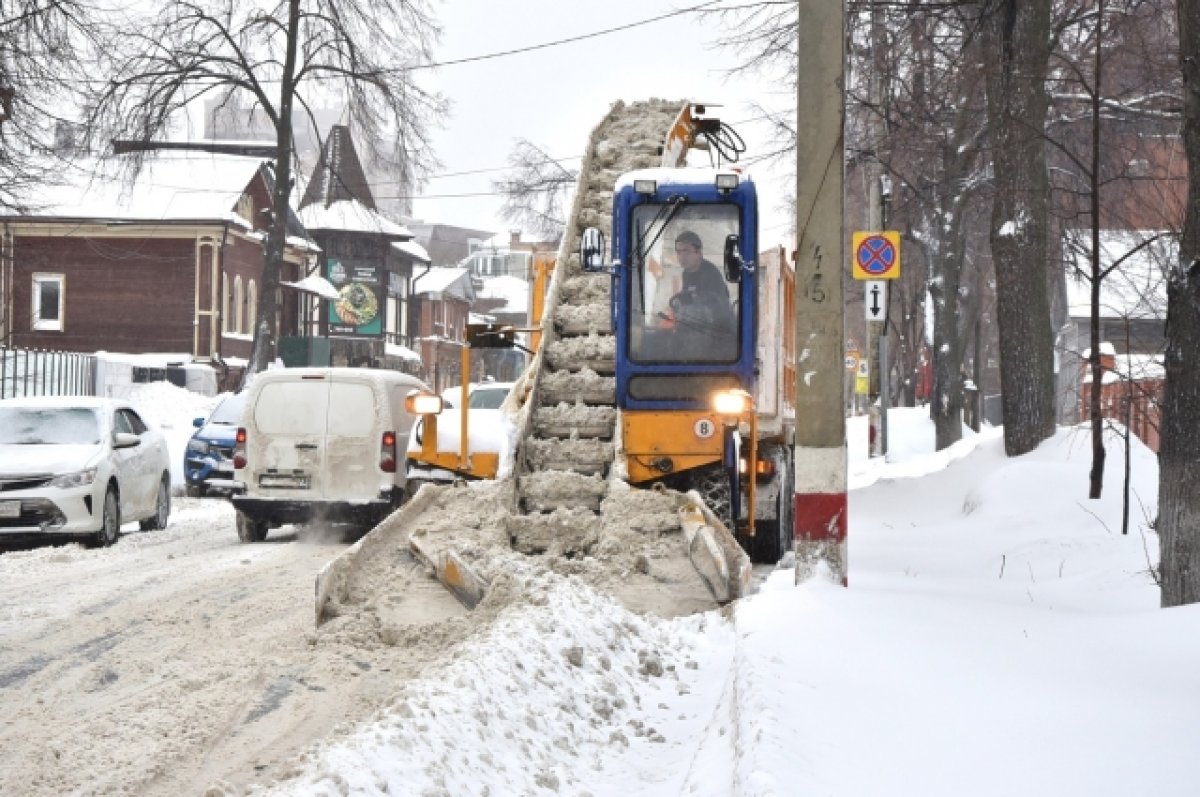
x: 726, y: 181
x: 645, y: 186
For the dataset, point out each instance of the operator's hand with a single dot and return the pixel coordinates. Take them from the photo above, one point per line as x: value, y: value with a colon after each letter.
x: 654, y: 267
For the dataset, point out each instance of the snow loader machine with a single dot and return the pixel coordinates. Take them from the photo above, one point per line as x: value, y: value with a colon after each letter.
x: 645, y: 376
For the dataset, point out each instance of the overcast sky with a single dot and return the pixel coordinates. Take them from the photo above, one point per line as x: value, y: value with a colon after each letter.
x: 555, y: 96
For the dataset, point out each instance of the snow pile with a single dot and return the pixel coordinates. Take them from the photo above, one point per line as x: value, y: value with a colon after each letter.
x: 561, y: 679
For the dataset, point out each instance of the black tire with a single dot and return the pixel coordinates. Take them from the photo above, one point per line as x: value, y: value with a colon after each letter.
x: 250, y: 530
x: 110, y: 521
x: 162, y: 507
x: 196, y: 491
x: 773, y: 538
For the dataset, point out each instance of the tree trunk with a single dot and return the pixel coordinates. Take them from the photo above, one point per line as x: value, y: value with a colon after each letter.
x: 1179, y: 453
x: 947, y: 403
x: 266, y: 333
x: 1017, y: 34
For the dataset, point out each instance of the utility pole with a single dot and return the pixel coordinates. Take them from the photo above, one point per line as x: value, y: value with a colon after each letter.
x: 820, y: 465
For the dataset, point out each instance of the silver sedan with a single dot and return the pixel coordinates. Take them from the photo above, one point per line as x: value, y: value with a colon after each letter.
x: 80, y: 467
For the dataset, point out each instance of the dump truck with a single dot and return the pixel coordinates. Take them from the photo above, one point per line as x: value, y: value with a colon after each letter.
x: 645, y: 376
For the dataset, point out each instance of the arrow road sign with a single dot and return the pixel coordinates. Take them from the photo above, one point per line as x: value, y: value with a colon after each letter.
x: 875, y: 299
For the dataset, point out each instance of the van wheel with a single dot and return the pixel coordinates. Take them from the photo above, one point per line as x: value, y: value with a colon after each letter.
x: 162, y: 507
x: 110, y: 522
x: 250, y: 530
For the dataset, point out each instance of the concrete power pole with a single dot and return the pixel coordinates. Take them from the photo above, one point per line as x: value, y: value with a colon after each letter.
x: 820, y: 465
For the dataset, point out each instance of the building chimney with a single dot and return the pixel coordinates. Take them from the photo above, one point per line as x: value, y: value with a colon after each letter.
x: 514, y: 237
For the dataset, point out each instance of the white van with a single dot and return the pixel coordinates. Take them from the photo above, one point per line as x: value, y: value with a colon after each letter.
x: 321, y: 444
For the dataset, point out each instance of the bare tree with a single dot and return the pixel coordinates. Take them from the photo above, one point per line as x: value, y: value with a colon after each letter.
x: 1179, y: 455
x: 42, y: 48
x: 1016, y: 37
x: 535, y: 191
x: 284, y: 55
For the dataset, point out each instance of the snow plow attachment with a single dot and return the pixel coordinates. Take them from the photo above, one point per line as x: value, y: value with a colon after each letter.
x: 560, y: 502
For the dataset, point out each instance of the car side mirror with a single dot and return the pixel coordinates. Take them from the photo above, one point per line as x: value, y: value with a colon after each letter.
x: 591, y: 250
x: 197, y: 422
x: 126, y: 440
x: 733, y: 259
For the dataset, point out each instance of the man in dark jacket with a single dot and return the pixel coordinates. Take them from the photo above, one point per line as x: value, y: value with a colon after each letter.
x: 704, y: 299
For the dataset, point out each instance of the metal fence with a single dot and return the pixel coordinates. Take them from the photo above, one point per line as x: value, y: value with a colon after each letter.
x: 37, y: 372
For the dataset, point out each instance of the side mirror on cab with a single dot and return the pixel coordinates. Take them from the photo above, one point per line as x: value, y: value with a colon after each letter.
x: 591, y: 250
x: 733, y: 259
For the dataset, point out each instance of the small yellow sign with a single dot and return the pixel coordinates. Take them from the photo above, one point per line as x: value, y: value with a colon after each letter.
x: 875, y: 255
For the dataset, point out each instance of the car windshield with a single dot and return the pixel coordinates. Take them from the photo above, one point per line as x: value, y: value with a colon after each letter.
x: 49, y: 426
x: 229, y: 411
x: 487, y: 398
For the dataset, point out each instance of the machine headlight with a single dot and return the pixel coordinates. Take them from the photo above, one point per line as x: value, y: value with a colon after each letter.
x: 78, y: 479
x: 731, y: 402
x: 419, y: 403
x: 197, y: 447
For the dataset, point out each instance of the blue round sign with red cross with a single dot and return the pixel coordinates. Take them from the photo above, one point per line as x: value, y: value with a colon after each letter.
x: 876, y: 255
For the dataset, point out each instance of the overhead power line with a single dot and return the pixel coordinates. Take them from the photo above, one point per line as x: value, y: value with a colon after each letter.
x: 568, y: 40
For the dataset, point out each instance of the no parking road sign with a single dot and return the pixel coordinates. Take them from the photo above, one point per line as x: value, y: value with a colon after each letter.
x: 876, y: 255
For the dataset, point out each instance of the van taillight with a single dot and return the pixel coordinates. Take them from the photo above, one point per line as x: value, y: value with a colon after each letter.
x: 239, y: 450
x: 387, y: 452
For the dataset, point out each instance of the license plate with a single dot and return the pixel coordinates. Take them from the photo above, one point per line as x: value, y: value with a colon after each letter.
x: 10, y: 508
x: 282, y: 481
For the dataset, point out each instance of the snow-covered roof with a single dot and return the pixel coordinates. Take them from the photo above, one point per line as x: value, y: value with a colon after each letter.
x: 315, y: 283
x: 172, y: 186
x: 350, y: 216
x: 1137, y: 367
x: 1136, y: 289
x: 455, y: 281
x: 403, y: 352
x: 413, y: 250
x: 513, y: 290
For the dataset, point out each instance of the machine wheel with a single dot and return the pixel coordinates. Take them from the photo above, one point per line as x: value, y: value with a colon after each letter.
x: 250, y: 530
x: 110, y: 521
x: 196, y: 490
x: 773, y: 538
x: 162, y: 507
x: 713, y: 487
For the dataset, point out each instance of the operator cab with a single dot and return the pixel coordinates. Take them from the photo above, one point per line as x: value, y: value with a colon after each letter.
x: 683, y: 290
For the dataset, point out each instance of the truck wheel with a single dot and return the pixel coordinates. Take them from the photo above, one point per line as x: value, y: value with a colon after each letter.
x: 773, y: 538
x: 250, y: 530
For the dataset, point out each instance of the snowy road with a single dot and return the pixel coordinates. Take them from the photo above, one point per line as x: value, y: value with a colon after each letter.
x: 175, y: 660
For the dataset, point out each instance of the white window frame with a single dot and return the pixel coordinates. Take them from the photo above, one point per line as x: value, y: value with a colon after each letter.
x: 35, y: 301
x: 239, y: 298
x: 251, y: 306
x: 226, y: 304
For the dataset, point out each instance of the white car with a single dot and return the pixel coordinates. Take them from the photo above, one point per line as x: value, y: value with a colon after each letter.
x: 77, y: 466
x: 481, y: 395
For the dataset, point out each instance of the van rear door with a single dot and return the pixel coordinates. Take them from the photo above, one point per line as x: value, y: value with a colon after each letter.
x: 354, y: 427
x: 319, y: 439
x: 289, y: 437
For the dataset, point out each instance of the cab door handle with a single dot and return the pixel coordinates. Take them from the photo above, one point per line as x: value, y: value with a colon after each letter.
x: 307, y: 446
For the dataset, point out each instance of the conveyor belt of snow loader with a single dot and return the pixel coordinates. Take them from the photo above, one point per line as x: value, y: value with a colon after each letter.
x: 561, y: 502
